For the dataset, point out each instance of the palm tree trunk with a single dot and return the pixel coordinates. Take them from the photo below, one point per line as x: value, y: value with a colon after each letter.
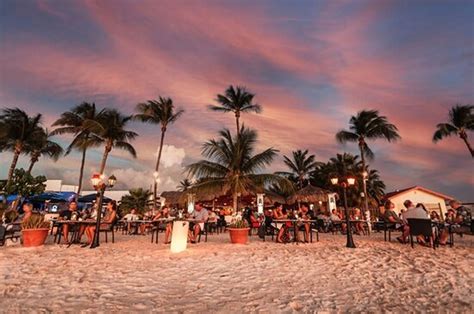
x: 108, y: 148
x: 235, y: 199
x: 364, y: 182
x: 237, y: 117
x: 157, y: 167
x: 16, y: 155
x: 32, y: 163
x: 464, y: 138
x: 81, y: 170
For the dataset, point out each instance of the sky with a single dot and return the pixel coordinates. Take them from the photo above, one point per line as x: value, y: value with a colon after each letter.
x: 311, y: 64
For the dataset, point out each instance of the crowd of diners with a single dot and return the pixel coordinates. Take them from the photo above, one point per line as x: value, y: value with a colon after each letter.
x: 272, y: 219
x: 457, y: 215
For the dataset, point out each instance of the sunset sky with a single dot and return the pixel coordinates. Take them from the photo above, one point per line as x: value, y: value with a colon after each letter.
x: 311, y: 64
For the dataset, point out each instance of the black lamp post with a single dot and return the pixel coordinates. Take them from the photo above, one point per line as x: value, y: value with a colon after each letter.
x: 100, y: 186
x: 344, y: 184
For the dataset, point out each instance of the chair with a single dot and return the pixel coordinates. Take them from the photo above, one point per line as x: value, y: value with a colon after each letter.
x: 109, y: 227
x: 421, y: 227
x: 204, y: 232
x: 387, y: 227
x: 8, y: 232
x: 269, y: 231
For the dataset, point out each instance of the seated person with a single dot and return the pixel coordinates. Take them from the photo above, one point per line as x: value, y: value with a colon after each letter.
x: 109, y: 218
x: 462, y: 217
x: 129, y: 218
x: 412, y: 212
x: 69, y: 214
x: 279, y: 213
x: 200, y: 216
x: 167, y: 225
x: 303, y: 213
x: 357, y: 217
x: 221, y: 219
x: 434, y: 216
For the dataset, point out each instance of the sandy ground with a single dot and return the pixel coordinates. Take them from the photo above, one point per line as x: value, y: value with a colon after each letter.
x: 134, y: 275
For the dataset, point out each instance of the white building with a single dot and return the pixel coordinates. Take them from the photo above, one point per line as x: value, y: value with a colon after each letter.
x: 58, y: 186
x: 417, y: 194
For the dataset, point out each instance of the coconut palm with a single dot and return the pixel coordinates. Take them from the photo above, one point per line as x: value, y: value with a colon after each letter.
x: 160, y: 112
x: 137, y: 198
x: 74, y: 122
x: 375, y: 187
x: 461, y: 120
x: 300, y: 166
x: 367, y: 125
x: 20, y: 128
x: 110, y: 128
x: 43, y: 146
x: 232, y: 166
x: 184, y: 185
x: 236, y: 100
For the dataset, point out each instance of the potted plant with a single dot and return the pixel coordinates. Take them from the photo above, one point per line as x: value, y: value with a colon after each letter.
x: 34, y: 230
x: 239, y: 231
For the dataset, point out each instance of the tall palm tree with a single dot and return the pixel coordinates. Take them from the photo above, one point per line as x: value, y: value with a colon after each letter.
x: 300, y: 166
x: 232, y: 166
x: 74, y: 122
x: 461, y: 120
x: 367, y: 125
x: 21, y: 128
x: 160, y: 112
x: 43, y: 146
x: 184, y: 185
x: 110, y: 127
x: 236, y: 100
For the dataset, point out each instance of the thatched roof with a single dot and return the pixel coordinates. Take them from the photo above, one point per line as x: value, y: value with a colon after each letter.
x: 174, y: 197
x: 310, y: 194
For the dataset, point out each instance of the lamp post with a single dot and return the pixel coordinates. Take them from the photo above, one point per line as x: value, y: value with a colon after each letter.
x: 155, y: 189
x: 100, y: 186
x: 344, y: 184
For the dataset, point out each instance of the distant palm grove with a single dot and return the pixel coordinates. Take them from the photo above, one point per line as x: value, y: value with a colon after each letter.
x: 231, y: 164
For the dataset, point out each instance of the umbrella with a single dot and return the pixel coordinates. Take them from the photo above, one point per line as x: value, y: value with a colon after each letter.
x: 91, y: 198
x: 49, y: 196
x: 310, y: 194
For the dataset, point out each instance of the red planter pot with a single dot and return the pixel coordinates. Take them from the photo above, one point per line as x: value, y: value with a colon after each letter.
x: 34, y: 237
x: 239, y: 235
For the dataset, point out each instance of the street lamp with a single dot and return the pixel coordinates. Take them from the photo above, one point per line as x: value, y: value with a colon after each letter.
x: 100, y: 185
x: 344, y: 184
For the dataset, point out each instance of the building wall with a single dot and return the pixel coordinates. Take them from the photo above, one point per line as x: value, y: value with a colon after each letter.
x: 417, y: 196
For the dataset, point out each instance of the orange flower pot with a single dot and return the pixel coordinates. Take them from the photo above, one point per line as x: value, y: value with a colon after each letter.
x: 34, y: 237
x: 239, y: 235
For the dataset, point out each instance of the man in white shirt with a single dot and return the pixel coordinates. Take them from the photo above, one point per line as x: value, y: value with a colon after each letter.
x: 131, y: 216
x: 200, y: 216
x: 412, y: 212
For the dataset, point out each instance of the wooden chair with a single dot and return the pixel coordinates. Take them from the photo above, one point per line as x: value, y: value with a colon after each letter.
x: 109, y: 227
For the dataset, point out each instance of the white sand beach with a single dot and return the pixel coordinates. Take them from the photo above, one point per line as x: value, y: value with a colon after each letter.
x: 134, y: 275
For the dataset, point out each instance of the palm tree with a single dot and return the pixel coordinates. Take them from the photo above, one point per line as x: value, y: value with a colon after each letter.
x: 236, y: 100
x: 300, y: 166
x: 367, y: 125
x: 41, y: 146
x: 160, y: 112
x: 232, y: 166
x: 137, y: 198
x: 184, y: 185
x: 74, y: 122
x: 375, y: 186
x: 21, y: 128
x: 110, y: 127
x: 461, y: 120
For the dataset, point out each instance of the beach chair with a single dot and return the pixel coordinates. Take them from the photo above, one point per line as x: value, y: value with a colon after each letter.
x: 421, y: 227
